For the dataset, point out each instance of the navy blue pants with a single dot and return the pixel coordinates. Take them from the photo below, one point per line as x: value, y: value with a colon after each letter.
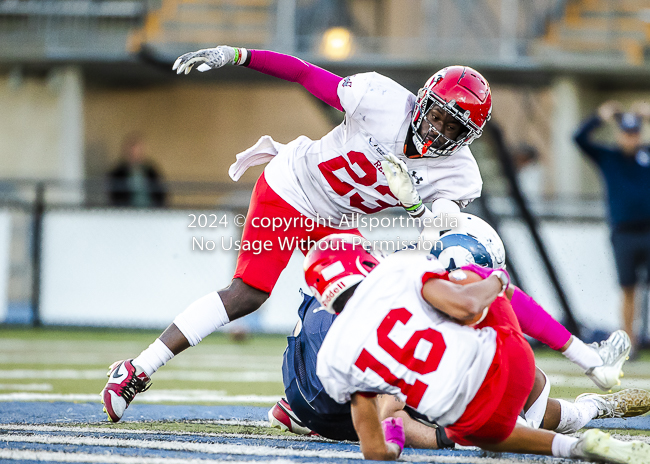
x: 304, y: 391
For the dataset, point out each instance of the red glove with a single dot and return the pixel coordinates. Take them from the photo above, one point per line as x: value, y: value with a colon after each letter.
x: 394, y: 431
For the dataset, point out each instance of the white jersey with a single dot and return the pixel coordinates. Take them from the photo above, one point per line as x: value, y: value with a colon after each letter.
x: 340, y: 174
x: 388, y: 339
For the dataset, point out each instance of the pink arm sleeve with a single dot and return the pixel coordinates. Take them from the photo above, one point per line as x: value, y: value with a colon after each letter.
x: 537, y: 323
x: 533, y: 319
x: 320, y: 83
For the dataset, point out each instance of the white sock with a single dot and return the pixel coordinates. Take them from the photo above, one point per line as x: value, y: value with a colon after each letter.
x: 574, y: 416
x: 535, y: 413
x: 561, y: 446
x: 582, y: 355
x: 154, y: 357
x: 201, y: 318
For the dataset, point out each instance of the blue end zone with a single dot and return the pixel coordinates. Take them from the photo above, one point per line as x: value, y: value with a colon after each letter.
x: 63, y: 412
x: 632, y: 423
x: 304, y: 451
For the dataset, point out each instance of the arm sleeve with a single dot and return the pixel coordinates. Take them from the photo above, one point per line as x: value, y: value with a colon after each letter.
x: 320, y: 83
x: 537, y: 323
x: 583, y: 139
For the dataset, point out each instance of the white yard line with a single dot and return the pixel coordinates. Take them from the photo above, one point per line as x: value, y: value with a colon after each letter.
x: 27, y: 386
x: 191, y: 375
x: 57, y: 456
x: 176, y: 396
x: 208, y: 448
x: 116, y: 431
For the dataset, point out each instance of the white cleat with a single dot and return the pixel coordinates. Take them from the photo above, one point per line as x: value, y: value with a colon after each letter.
x: 613, y: 351
x: 600, y: 446
x: 626, y: 403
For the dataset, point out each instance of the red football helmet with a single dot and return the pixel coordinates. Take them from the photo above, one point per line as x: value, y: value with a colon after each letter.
x: 336, y: 263
x: 460, y: 91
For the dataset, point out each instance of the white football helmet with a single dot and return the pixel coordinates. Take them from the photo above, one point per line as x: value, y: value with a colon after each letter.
x: 471, y: 241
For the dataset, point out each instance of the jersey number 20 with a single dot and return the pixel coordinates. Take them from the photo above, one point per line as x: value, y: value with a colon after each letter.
x: 404, y: 356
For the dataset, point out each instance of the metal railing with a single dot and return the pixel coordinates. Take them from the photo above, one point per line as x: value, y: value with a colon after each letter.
x: 486, y: 30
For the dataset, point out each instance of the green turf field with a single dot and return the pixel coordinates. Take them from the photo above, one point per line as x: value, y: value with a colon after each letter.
x: 66, y: 361
x: 44, y: 363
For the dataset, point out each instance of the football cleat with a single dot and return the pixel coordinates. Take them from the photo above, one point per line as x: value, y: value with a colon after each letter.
x: 125, y: 380
x: 282, y: 417
x: 613, y: 351
x: 626, y: 403
x: 595, y: 445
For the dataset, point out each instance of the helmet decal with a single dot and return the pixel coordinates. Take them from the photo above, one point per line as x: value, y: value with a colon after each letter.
x: 472, y: 241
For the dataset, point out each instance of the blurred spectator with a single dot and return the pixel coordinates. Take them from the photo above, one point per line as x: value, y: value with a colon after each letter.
x: 625, y: 168
x: 135, y: 181
x: 529, y: 170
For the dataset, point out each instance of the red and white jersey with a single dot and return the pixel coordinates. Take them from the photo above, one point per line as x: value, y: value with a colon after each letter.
x: 388, y: 339
x: 341, y: 174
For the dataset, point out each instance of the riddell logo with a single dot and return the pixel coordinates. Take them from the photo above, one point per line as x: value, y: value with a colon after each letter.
x: 332, y: 292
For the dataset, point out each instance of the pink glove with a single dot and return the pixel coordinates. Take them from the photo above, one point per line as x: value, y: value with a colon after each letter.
x: 394, y: 431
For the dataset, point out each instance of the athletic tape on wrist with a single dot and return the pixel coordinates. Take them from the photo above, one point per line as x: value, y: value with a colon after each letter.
x: 416, y: 211
x: 240, y: 56
x: 414, y: 207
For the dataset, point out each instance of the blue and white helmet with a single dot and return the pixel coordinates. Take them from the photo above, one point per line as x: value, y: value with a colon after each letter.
x: 471, y: 241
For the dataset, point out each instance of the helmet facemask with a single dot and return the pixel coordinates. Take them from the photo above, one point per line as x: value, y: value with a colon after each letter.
x: 427, y: 100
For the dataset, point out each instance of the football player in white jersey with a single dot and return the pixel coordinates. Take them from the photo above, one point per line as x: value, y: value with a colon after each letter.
x: 307, y: 408
x: 312, y: 188
x: 407, y: 326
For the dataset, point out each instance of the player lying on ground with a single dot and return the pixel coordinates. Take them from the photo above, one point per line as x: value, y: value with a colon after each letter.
x: 473, y: 241
x: 403, y: 327
x: 329, y: 181
x: 308, y: 408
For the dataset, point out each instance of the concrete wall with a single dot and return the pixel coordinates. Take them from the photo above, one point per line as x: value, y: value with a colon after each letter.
x: 41, y: 125
x: 194, y: 131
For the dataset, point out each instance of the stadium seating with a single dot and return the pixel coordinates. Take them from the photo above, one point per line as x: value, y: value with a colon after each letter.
x: 601, y: 29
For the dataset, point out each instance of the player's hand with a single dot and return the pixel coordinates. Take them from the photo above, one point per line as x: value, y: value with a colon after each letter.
x: 401, y: 184
x: 209, y: 58
x: 485, y: 272
x: 608, y: 110
x: 394, y: 432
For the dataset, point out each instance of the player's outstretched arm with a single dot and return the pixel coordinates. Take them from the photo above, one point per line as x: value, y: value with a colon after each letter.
x: 379, y: 441
x: 319, y: 82
x: 464, y: 302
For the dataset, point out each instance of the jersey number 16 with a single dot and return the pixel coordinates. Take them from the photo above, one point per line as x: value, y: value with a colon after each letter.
x: 404, y: 356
